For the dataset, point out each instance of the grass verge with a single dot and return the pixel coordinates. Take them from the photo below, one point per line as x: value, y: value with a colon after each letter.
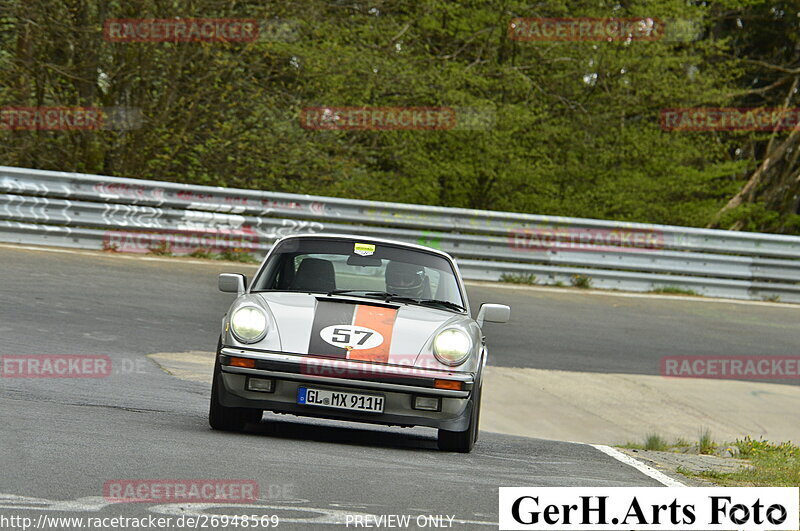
x: 231, y: 255
x: 655, y: 442
x: 672, y: 290
x: 518, y: 278
x: 774, y: 465
x: 581, y: 281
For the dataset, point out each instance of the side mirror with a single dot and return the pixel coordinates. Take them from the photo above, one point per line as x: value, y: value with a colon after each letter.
x: 232, y: 283
x: 493, y: 313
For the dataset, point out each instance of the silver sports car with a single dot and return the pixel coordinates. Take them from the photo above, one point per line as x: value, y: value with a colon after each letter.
x: 353, y: 328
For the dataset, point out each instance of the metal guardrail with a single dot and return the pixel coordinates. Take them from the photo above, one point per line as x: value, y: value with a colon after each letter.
x: 132, y: 215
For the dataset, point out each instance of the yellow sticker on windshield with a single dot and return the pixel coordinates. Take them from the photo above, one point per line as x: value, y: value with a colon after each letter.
x: 364, y: 249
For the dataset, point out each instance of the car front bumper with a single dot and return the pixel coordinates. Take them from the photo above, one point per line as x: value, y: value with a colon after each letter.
x: 398, y: 385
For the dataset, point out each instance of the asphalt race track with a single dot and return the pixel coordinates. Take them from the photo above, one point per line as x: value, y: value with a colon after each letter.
x: 572, y: 331
x: 62, y: 439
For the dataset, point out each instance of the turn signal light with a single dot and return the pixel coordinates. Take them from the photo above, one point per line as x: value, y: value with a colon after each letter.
x: 247, y: 363
x: 454, y: 385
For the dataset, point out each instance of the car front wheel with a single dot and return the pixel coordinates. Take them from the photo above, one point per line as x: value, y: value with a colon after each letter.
x: 228, y: 418
x: 463, y: 441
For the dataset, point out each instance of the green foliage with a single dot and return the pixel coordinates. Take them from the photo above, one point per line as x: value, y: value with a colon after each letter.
x: 161, y: 249
x: 202, y: 253
x: 655, y: 442
x: 518, y: 278
x: 231, y: 255
x: 674, y: 290
x: 774, y: 465
x: 706, y: 443
x: 581, y: 281
x: 749, y: 447
x: 237, y: 255
x: 565, y: 128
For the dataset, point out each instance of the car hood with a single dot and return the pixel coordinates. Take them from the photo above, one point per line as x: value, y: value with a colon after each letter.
x: 356, y: 328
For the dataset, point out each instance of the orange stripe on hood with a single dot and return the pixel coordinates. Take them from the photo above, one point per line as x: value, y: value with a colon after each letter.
x: 381, y: 320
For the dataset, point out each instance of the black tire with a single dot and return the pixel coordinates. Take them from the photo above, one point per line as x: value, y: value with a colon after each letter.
x: 462, y: 441
x: 478, y: 415
x: 228, y: 418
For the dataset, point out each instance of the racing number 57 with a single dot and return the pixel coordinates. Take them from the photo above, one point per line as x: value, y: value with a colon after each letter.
x: 342, y: 335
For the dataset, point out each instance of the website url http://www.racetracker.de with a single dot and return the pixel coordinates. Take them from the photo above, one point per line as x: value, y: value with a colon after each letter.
x: 201, y: 521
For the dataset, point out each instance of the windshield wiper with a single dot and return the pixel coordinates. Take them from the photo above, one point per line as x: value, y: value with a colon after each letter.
x: 399, y: 298
x: 373, y: 294
x: 446, y: 304
x: 364, y: 291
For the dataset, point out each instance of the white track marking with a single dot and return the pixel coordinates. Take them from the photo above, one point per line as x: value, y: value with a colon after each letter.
x: 333, y: 514
x: 321, y: 515
x: 638, y: 465
x: 27, y: 503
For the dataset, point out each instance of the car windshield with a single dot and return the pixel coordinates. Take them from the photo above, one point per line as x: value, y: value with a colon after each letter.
x: 361, y: 268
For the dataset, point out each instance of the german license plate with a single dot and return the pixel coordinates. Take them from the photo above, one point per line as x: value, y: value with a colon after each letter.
x: 340, y: 400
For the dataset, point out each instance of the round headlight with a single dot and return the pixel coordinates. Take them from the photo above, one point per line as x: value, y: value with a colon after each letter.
x: 249, y: 324
x: 452, y: 346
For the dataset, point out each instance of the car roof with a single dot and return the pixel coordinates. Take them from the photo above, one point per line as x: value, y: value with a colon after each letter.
x: 370, y: 239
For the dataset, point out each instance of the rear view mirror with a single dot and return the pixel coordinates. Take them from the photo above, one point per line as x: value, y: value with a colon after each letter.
x: 363, y: 261
x: 493, y: 313
x: 232, y: 283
